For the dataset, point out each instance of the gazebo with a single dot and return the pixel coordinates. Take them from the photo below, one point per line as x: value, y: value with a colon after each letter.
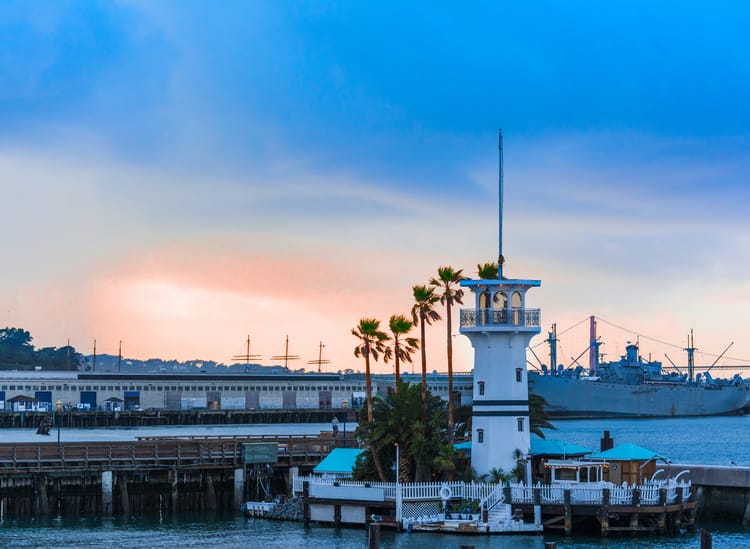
x: 544, y: 451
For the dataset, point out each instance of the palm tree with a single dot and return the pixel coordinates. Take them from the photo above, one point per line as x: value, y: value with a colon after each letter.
x: 371, y: 344
x: 538, y: 418
x: 402, y: 348
x: 447, y: 281
x: 397, y: 420
x: 488, y: 271
x: 423, y: 313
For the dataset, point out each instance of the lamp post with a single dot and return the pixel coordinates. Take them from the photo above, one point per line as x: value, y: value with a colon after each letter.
x: 344, y: 404
x: 397, y: 460
x: 58, y: 407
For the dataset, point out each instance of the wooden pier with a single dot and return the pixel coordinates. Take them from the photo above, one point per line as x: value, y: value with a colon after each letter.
x: 651, y: 508
x: 85, y: 419
x: 610, y: 515
x: 152, y: 474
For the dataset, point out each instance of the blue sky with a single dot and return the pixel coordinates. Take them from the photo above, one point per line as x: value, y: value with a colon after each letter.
x: 179, y: 168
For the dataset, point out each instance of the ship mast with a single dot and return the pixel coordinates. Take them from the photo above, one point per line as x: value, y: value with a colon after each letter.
x: 286, y: 357
x: 552, y: 340
x: 248, y: 355
x: 320, y: 359
x: 691, y: 355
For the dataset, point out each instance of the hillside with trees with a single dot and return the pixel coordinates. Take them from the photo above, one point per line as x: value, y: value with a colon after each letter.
x: 18, y: 353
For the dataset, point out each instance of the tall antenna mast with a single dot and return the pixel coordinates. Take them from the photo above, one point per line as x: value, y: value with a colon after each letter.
x: 500, y: 258
x: 95, y: 355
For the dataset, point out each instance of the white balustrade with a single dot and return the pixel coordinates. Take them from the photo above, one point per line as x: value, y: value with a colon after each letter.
x: 490, y: 495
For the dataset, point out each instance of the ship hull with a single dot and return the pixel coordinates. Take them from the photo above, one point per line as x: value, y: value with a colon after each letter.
x: 569, y: 397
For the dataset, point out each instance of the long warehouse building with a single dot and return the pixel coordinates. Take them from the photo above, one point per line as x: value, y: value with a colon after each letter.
x: 41, y: 390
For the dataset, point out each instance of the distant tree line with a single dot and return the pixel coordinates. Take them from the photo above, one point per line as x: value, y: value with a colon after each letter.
x: 18, y: 353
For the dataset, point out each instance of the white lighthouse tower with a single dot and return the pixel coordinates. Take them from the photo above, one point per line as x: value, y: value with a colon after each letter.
x: 500, y: 327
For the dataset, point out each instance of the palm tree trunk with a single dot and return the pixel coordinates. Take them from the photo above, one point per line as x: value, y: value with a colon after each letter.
x: 370, y: 415
x: 404, y: 466
x: 450, y: 373
x: 368, y: 384
x: 376, y: 460
x: 397, y: 364
x: 424, y: 371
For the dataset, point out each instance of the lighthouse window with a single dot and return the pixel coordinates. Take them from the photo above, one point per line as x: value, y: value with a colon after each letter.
x: 481, y: 387
x: 480, y: 436
x: 520, y: 424
x: 519, y: 375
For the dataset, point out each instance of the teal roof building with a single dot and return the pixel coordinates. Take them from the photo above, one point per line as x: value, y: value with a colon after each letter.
x: 340, y: 462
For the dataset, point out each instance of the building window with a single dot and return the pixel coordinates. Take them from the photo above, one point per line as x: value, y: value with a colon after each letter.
x: 480, y: 436
x: 520, y: 424
x: 481, y: 387
x: 519, y: 375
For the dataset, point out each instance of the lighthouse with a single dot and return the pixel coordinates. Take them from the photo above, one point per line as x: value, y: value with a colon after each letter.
x: 499, y: 326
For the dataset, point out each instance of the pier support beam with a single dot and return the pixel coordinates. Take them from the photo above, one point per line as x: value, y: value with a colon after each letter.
x: 107, y: 492
x: 661, y: 521
x: 175, y: 494
x: 239, y: 488
x: 605, y: 512
x: 746, y: 516
x: 373, y: 540
x: 210, y: 493
x: 634, y: 518
x: 293, y: 472
x: 122, y: 483
x: 306, y: 502
x: 41, y: 491
x: 568, y: 512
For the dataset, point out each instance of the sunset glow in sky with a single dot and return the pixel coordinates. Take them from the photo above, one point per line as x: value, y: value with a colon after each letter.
x: 178, y: 175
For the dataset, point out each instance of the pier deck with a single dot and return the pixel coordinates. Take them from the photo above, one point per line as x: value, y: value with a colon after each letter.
x: 153, y: 474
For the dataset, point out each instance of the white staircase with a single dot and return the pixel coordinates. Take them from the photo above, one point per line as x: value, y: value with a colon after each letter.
x: 500, y: 515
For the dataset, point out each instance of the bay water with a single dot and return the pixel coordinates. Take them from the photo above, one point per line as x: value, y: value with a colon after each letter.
x: 714, y: 440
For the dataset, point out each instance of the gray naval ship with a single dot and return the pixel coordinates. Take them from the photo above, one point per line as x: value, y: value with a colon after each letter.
x: 632, y: 387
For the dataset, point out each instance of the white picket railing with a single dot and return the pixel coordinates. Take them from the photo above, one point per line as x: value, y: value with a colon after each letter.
x: 620, y: 495
x: 493, y: 498
x: 490, y: 495
x: 413, y: 491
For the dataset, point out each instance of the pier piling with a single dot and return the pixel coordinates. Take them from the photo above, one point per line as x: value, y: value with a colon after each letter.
x: 568, y: 512
x: 239, y: 487
x: 373, y: 540
x: 107, y: 492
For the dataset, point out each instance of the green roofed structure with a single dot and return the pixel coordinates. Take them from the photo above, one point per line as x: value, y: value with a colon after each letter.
x: 628, y: 452
x: 550, y: 447
x: 629, y: 463
x: 339, y: 463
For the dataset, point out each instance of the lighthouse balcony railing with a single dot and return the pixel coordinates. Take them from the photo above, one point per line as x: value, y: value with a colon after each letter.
x: 516, y: 317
